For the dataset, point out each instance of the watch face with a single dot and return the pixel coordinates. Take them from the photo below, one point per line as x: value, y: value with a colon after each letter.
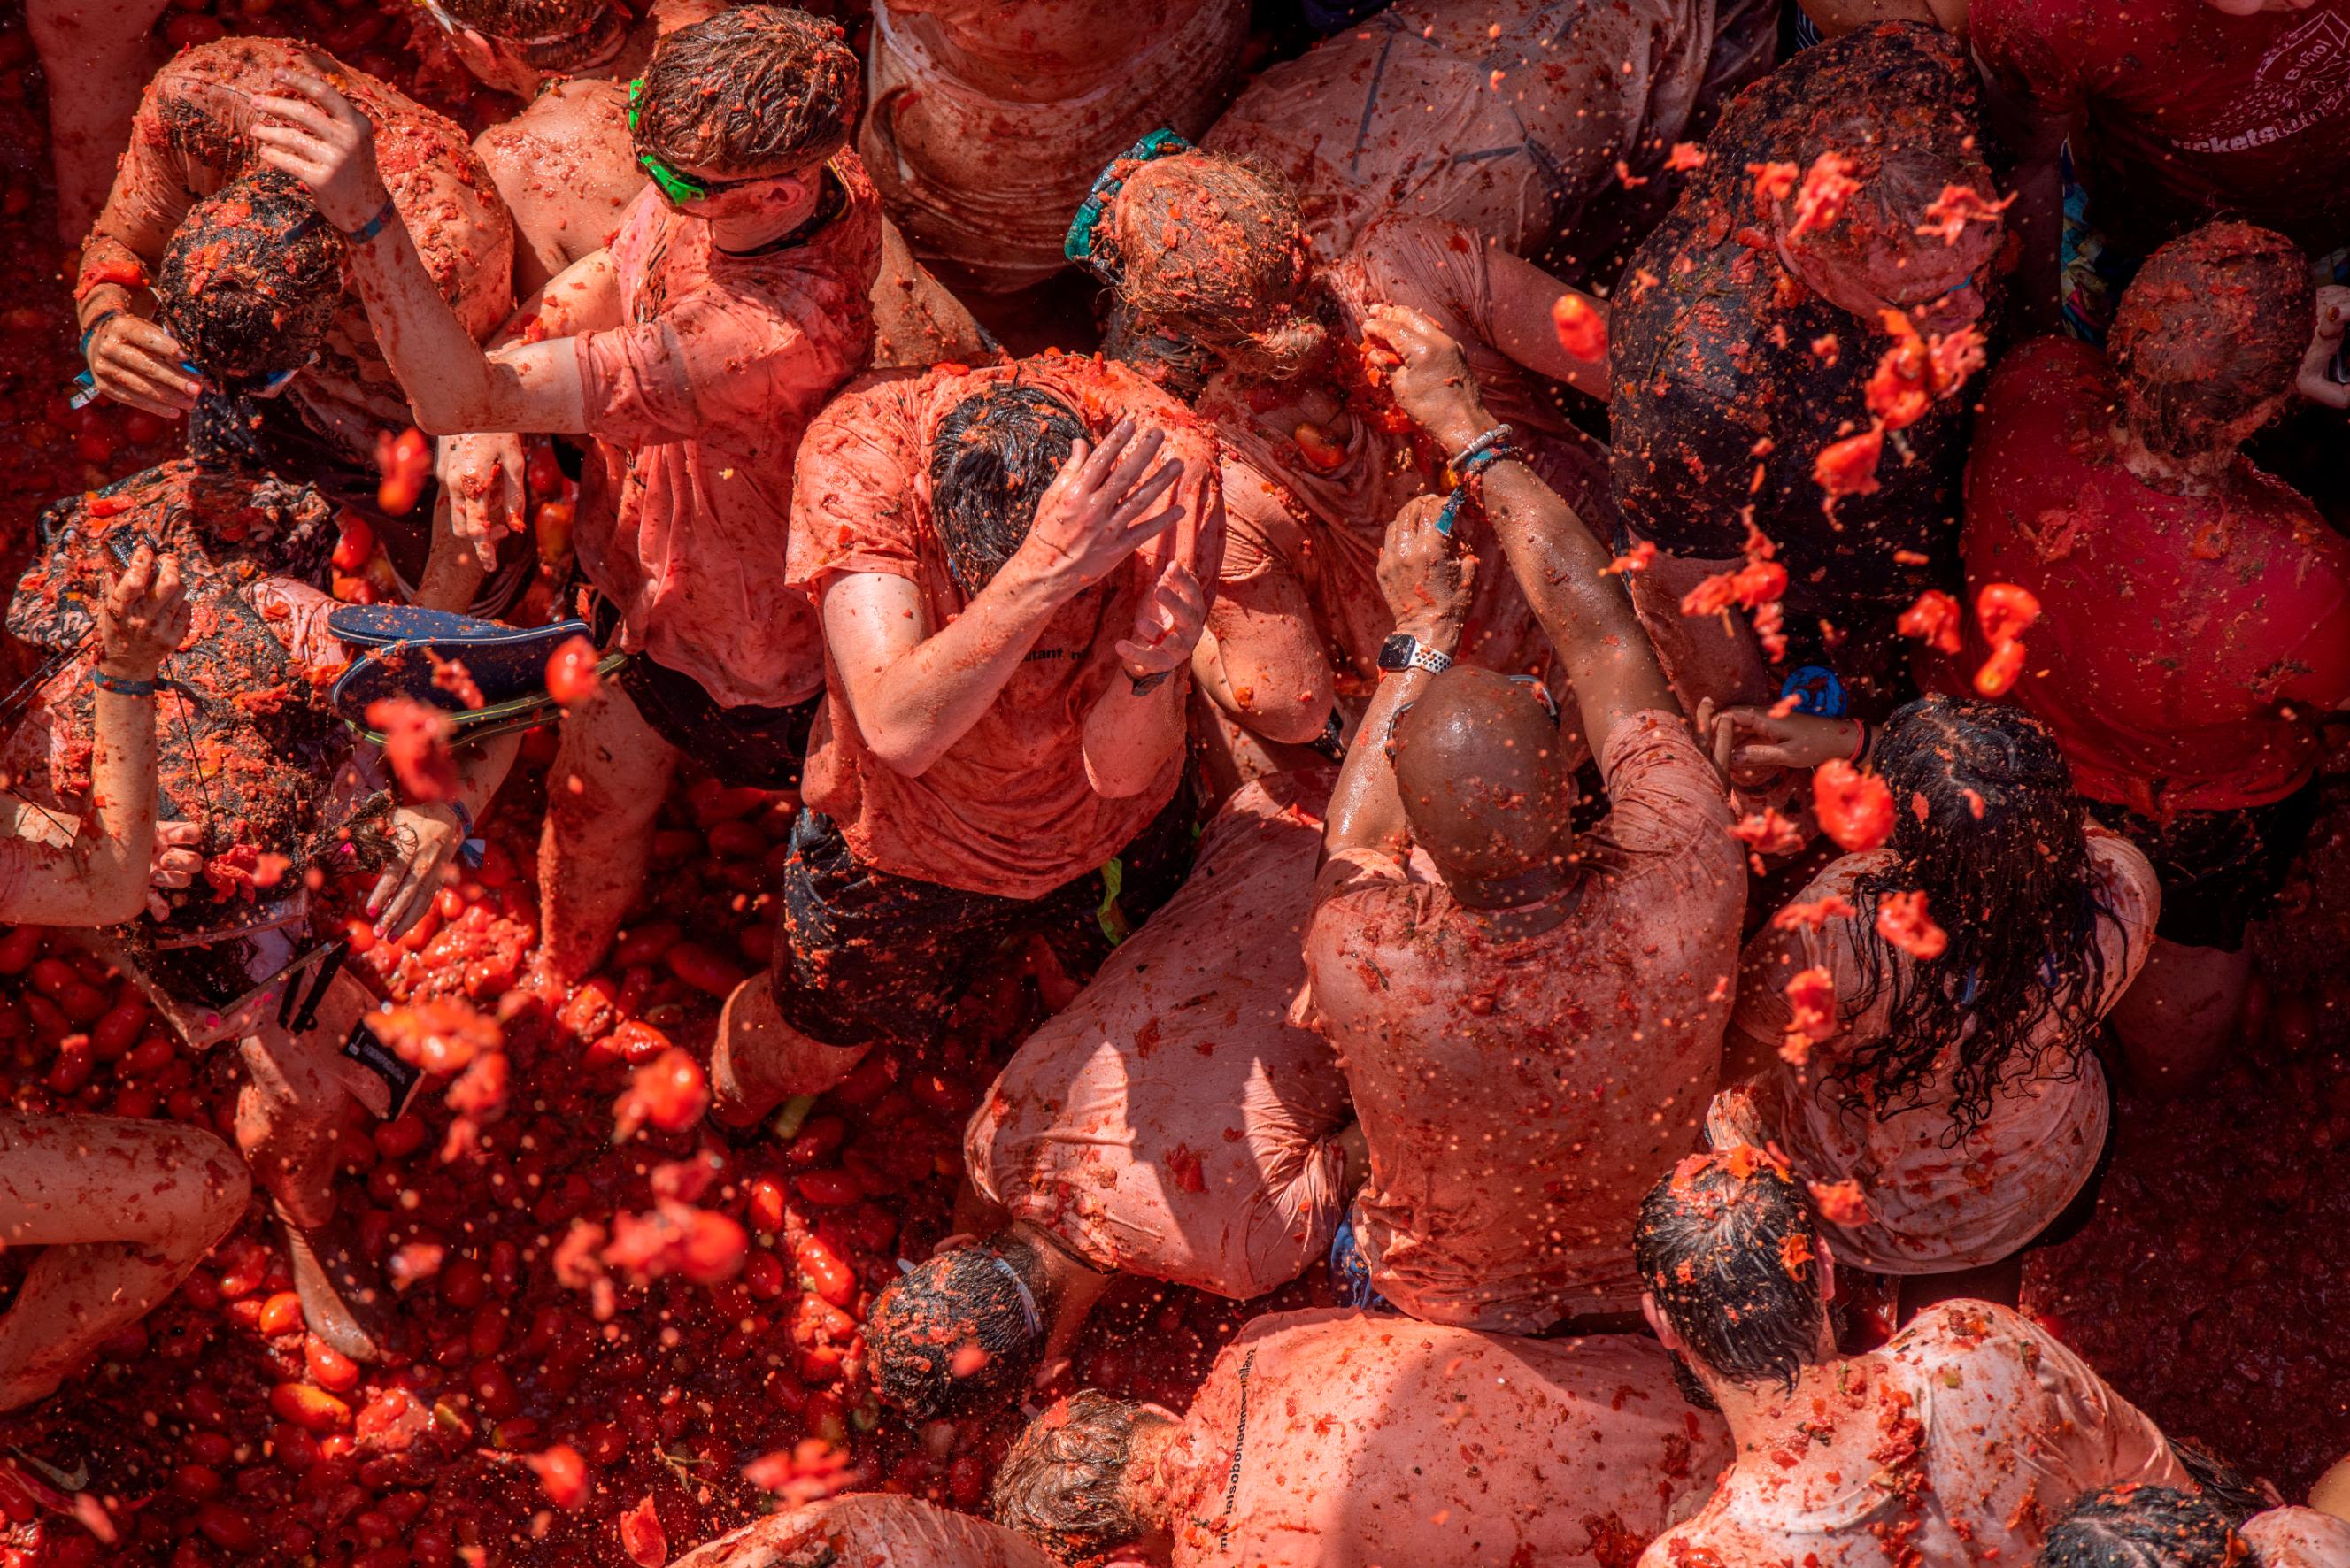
x: 1396, y: 652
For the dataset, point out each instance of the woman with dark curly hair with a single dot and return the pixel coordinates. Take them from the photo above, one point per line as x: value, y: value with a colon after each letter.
x: 1920, y: 1020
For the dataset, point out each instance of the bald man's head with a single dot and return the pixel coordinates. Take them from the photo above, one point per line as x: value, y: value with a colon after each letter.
x: 1484, y: 777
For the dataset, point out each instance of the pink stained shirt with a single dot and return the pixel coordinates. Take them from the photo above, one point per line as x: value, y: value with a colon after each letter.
x: 1519, y: 1097
x: 1009, y: 809
x: 2298, y: 1538
x: 1380, y: 1441
x: 698, y: 406
x: 867, y: 1530
x: 1958, y: 1442
x: 1933, y: 1206
x: 1171, y: 1122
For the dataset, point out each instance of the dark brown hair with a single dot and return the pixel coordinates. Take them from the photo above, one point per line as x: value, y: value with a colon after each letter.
x: 549, y: 35
x: 251, y: 278
x: 953, y: 1335
x: 991, y: 460
x: 2135, y: 1526
x: 1729, y: 1252
x: 1063, y: 1484
x: 2212, y: 327
x: 758, y: 89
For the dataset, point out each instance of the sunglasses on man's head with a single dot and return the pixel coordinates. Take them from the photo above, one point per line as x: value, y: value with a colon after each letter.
x: 679, y: 188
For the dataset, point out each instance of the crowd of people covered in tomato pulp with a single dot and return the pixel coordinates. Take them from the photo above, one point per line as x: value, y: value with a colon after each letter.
x: 974, y: 784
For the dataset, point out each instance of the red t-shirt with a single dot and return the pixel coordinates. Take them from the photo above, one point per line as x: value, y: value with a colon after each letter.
x: 2190, y: 112
x: 1009, y: 809
x: 2187, y: 645
x: 697, y: 405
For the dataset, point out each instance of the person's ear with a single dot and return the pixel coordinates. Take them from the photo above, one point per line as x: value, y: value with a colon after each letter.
x: 1664, y: 1330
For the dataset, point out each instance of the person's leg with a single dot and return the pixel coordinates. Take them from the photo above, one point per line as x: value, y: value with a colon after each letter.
x: 96, y: 58
x: 298, y: 1096
x: 2330, y: 1494
x: 759, y: 1060
x: 2177, y: 1017
x: 2001, y: 1282
x: 123, y: 1210
x: 861, y: 957
x: 611, y: 773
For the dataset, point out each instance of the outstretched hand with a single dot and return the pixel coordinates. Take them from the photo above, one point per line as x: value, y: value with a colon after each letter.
x: 1098, y: 510
x: 144, y: 618
x: 316, y: 136
x: 483, y: 476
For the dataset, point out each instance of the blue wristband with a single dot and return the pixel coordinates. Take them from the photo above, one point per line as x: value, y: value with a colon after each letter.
x: 373, y: 226
x: 471, y: 849
x: 91, y: 331
x: 123, y: 688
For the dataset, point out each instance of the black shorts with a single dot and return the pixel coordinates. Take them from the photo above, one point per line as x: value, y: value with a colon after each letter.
x: 2219, y: 870
x: 763, y: 747
x: 861, y: 955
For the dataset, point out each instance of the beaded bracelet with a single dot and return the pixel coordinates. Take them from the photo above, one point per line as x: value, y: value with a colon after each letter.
x: 1489, y: 449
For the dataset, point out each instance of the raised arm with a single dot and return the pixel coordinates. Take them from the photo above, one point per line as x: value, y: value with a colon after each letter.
x: 132, y: 360
x: 1525, y: 300
x: 1427, y: 584
x: 100, y: 878
x: 1559, y: 565
x: 312, y: 132
x: 915, y: 689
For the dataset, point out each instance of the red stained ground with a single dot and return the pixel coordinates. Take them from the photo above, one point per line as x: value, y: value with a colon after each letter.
x: 2210, y: 1289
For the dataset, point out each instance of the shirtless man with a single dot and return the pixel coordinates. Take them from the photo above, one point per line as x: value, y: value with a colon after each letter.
x: 2094, y: 483
x: 1531, y: 1020
x: 1534, y: 124
x: 195, y: 131
x: 695, y: 351
x: 1959, y: 1442
x: 1325, y: 1438
x: 989, y: 118
x: 567, y: 171
x: 1170, y: 1122
x: 1011, y: 564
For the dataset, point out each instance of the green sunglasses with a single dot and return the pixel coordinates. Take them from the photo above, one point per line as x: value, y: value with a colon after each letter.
x: 674, y: 185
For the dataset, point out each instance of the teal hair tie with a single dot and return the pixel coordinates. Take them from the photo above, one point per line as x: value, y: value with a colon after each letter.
x: 1079, y: 245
